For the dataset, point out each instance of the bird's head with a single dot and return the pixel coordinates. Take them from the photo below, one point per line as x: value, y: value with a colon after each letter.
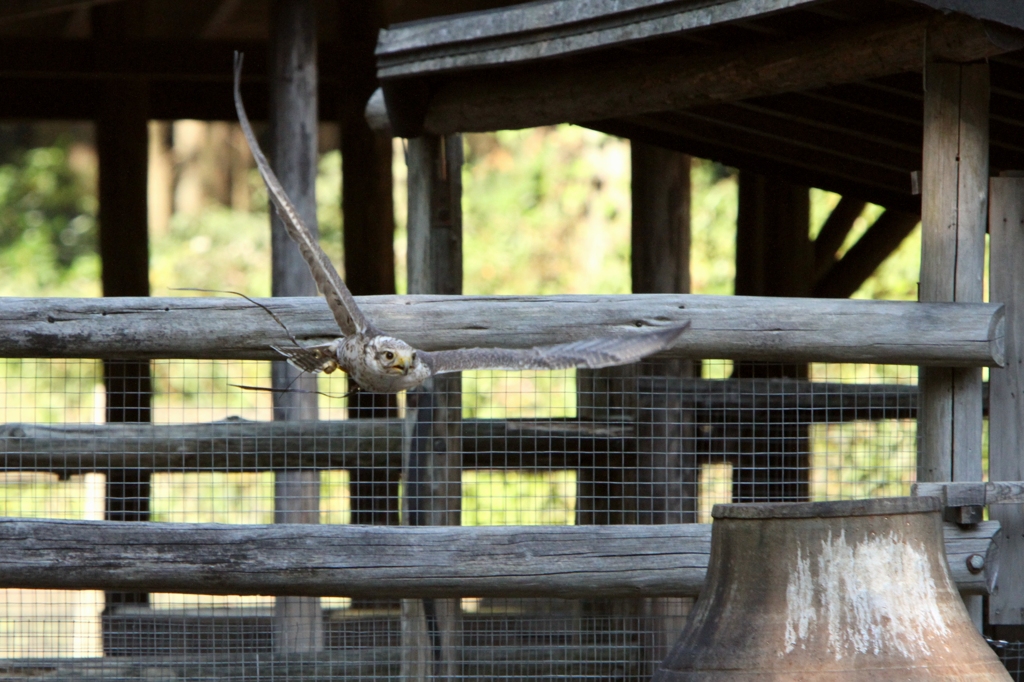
x: 394, y: 356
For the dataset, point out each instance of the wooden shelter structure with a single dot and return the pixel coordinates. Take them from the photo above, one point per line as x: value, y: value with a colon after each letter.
x: 910, y: 104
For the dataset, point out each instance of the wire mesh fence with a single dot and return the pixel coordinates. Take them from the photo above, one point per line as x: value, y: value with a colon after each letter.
x: 657, y: 443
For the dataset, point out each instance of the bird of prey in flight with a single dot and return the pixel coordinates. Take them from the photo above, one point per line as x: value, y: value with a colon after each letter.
x: 380, y: 363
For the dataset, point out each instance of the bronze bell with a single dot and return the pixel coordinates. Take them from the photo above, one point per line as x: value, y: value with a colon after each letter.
x: 845, y: 591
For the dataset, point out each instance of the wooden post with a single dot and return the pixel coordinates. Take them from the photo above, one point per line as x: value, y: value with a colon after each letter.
x: 774, y: 257
x: 954, y: 183
x: 122, y: 145
x: 666, y: 469
x: 369, y: 233
x: 641, y: 491
x: 667, y: 492
x: 954, y: 204
x: 433, y: 450
x: 367, y: 203
x: 1006, y: 404
x: 659, y: 264
x: 298, y: 623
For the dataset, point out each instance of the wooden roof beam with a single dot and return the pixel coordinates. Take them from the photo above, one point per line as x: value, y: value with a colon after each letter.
x: 752, y: 149
x: 881, y: 239
x: 833, y: 233
x: 636, y: 83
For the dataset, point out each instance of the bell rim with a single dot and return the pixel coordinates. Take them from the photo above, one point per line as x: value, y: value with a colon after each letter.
x: 881, y: 506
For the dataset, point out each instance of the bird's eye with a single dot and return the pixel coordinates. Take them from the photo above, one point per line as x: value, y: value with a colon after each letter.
x: 389, y: 355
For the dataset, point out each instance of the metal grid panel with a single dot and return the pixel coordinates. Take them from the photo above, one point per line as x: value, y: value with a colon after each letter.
x: 621, y: 447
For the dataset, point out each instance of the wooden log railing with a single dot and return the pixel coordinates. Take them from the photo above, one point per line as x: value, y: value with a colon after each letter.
x: 791, y: 330
x: 980, y: 494
x: 526, y: 662
x: 238, y: 445
x: 403, y: 561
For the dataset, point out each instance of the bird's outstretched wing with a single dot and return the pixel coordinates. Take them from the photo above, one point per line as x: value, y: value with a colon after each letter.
x: 348, y: 315
x: 311, y: 359
x: 603, y: 351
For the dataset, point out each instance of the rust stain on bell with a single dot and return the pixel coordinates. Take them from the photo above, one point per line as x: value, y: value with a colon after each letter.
x: 834, y: 591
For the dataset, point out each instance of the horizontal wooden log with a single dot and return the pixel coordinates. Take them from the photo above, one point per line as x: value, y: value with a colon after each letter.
x: 377, y: 561
x: 298, y: 559
x: 991, y: 492
x: 239, y: 445
x: 557, y: 661
x: 738, y: 327
x: 633, y: 82
x: 144, y: 631
x: 275, y: 446
x: 758, y: 401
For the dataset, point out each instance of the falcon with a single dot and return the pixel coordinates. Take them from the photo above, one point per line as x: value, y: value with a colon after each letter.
x: 380, y: 363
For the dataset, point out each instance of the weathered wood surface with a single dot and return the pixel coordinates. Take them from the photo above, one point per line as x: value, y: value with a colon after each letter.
x: 432, y: 451
x: 833, y: 233
x: 982, y: 493
x: 239, y: 445
x: 666, y: 470
x: 637, y: 83
x: 122, y: 145
x: 403, y: 561
x: 426, y: 46
x: 266, y: 446
x: 540, y: 663
x: 953, y: 219
x: 739, y: 327
x: 845, y: 276
x: 774, y: 257
x: 954, y: 202
x: 660, y: 220
x: 545, y: 30
x: 745, y: 401
x: 293, y: 149
x: 1006, y: 415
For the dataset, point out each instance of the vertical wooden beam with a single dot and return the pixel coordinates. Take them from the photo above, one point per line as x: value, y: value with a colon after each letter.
x: 954, y: 205
x: 660, y: 237
x: 659, y: 264
x: 751, y: 228
x: 298, y: 625
x: 433, y: 448
x: 666, y: 469
x: 667, y: 492
x: 368, y: 236
x: 954, y: 201
x: 367, y: 203
x: 122, y: 145
x: 774, y: 257
x: 1006, y: 403
x: 656, y: 485
x: 435, y: 215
